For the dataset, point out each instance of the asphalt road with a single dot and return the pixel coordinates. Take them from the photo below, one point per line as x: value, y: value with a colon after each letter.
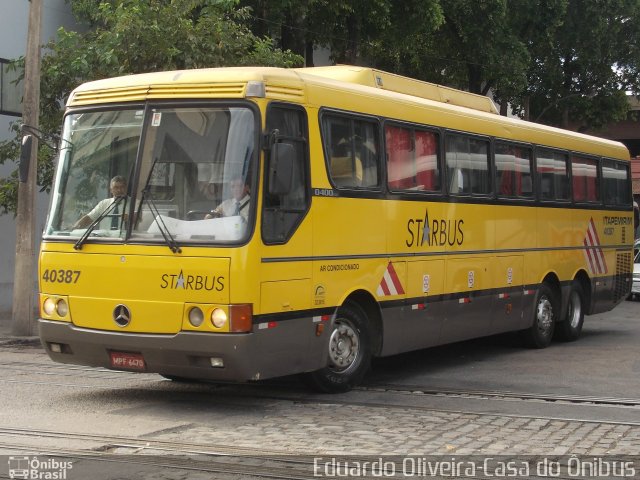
x: 604, y: 362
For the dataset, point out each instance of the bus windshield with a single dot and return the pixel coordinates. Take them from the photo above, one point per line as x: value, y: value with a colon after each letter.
x: 192, y: 184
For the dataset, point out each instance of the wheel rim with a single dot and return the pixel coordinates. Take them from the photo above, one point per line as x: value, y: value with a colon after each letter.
x: 544, y: 315
x: 575, y: 310
x: 344, y: 346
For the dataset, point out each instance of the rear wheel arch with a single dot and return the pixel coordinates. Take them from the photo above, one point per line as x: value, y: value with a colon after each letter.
x: 371, y: 309
x: 353, y: 339
x: 553, y: 282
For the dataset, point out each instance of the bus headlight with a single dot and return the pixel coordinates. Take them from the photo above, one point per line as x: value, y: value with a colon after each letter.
x: 54, y: 307
x: 218, y: 318
x: 62, y: 309
x: 196, y: 317
x: 49, y: 306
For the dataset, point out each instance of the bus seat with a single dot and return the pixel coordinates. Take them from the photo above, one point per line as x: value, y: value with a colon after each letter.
x: 345, y: 172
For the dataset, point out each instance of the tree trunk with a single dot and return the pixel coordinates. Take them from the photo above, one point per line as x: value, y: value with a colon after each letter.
x: 475, y: 78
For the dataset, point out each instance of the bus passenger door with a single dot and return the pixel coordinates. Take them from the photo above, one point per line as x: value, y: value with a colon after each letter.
x: 286, y: 235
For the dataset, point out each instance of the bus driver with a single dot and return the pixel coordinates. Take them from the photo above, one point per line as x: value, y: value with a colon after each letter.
x: 118, y: 188
x: 238, y: 204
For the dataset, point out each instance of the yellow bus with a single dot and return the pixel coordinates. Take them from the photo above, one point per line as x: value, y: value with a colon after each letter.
x: 237, y: 224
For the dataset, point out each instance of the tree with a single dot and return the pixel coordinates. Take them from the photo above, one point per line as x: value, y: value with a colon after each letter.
x: 533, y: 24
x: 580, y: 77
x: 561, y: 62
x: 135, y: 36
x: 371, y: 32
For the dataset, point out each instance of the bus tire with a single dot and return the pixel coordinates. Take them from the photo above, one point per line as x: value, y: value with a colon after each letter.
x: 540, y: 333
x: 571, y: 326
x: 349, y: 355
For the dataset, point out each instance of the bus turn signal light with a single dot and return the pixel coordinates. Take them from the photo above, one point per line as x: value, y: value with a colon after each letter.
x: 241, y: 318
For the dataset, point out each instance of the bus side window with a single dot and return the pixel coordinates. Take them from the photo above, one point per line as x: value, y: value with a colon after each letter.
x: 282, y: 213
x: 412, y: 159
x: 467, y: 165
x: 615, y: 183
x: 513, y: 170
x: 553, y: 174
x: 584, y: 172
x: 352, y: 150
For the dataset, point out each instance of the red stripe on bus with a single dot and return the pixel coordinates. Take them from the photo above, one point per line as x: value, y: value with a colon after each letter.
x: 395, y: 279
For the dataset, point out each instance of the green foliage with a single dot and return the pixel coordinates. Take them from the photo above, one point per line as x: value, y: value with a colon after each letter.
x: 9, y: 185
x: 580, y: 75
x: 136, y: 36
x: 561, y: 62
x: 383, y: 33
x: 551, y: 60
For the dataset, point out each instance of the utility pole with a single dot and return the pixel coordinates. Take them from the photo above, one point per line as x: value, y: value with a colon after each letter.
x: 22, y: 320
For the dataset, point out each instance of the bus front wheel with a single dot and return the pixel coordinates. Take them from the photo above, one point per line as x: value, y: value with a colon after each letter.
x: 540, y: 333
x: 570, y: 328
x: 349, y: 352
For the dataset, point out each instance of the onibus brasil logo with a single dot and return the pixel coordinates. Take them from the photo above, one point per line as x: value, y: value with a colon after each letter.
x: 34, y: 468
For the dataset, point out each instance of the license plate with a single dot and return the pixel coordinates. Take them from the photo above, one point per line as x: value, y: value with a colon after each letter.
x: 127, y: 361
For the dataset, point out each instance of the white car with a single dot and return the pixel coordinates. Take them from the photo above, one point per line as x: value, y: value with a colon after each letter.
x: 635, y: 286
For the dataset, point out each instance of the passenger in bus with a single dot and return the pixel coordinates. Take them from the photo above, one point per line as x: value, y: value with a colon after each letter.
x: 238, y: 204
x: 118, y: 188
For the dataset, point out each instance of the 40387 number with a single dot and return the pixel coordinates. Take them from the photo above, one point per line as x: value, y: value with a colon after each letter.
x: 61, y: 276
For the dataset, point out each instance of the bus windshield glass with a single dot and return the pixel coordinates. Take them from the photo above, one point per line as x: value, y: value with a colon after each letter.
x: 96, y: 147
x: 192, y: 184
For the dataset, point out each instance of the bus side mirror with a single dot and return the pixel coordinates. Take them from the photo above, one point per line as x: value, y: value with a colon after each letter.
x: 25, y: 158
x: 281, y: 168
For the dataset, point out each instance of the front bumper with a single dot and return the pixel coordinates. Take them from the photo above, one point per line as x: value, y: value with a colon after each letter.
x: 292, y: 347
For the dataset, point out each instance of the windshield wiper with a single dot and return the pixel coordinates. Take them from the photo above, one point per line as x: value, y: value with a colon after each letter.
x: 92, y: 225
x: 164, y: 230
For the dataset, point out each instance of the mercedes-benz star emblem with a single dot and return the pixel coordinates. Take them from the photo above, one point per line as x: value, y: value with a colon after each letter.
x: 122, y: 315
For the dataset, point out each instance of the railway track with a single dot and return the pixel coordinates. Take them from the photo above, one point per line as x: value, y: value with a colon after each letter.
x: 223, y: 460
x: 74, y: 376
x: 177, y: 459
x: 504, y: 395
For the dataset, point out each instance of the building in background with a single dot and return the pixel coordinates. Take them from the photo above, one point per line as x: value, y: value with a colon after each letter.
x: 626, y: 131
x: 13, y: 43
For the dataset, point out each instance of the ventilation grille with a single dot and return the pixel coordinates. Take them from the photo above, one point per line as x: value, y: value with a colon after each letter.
x: 140, y: 93
x: 622, y: 280
x: 206, y: 90
x: 285, y: 92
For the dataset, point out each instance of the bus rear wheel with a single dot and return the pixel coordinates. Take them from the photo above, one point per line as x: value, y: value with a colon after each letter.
x: 570, y: 328
x: 349, y: 352
x: 540, y: 333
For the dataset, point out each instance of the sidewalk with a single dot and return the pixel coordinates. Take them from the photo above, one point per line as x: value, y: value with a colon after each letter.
x: 8, y: 339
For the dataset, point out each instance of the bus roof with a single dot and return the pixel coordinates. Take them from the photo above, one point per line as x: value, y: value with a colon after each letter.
x: 396, y: 83
x: 321, y: 85
x: 230, y: 82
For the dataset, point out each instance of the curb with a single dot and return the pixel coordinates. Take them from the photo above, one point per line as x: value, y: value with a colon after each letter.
x: 20, y: 342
